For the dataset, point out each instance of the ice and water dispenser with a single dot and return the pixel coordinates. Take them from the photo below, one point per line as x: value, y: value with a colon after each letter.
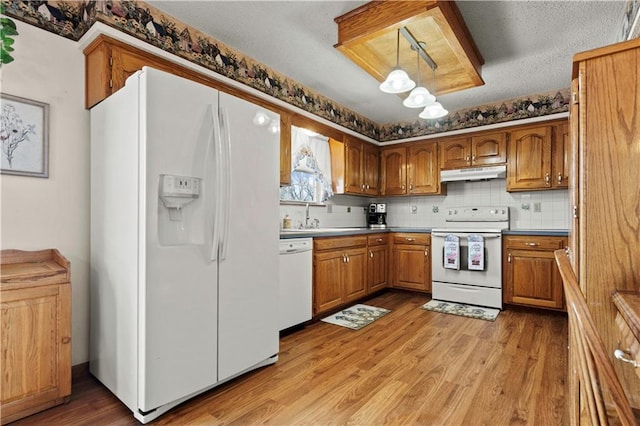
x: 181, y: 218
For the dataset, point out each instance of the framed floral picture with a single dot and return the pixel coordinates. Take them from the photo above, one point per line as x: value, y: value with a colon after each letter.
x: 24, y: 132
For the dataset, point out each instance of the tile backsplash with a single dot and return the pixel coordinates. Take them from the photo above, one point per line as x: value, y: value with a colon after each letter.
x: 429, y: 211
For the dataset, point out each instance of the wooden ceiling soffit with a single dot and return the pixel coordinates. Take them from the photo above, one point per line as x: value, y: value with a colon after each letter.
x: 367, y: 36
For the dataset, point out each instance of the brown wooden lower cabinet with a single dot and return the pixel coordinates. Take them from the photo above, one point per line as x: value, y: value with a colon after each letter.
x: 411, y: 254
x: 530, y: 274
x: 377, y: 262
x: 339, y: 271
x: 35, y: 290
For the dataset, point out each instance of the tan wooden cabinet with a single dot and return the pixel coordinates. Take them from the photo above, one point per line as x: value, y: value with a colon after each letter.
x: 411, y: 254
x: 339, y: 271
x: 531, y: 276
x: 378, y: 262
x: 538, y: 157
x: 561, y: 156
x: 35, y: 290
x: 605, y: 122
x: 483, y: 149
x: 411, y: 169
x: 393, y: 171
x: 361, y: 167
x: 529, y: 160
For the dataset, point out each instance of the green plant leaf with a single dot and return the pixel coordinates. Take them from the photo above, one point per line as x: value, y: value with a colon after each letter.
x: 8, y: 23
x: 5, y: 58
x: 7, y: 41
x: 8, y: 31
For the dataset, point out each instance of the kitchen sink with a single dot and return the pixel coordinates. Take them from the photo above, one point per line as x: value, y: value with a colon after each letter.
x: 319, y: 230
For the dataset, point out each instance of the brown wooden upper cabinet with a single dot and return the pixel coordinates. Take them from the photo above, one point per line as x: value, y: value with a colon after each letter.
x: 410, y: 169
x: 561, y: 151
x: 361, y: 167
x: 485, y: 149
x: 538, y: 158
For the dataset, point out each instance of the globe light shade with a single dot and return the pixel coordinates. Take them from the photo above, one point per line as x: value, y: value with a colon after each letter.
x: 418, y: 98
x: 397, y: 82
x: 434, y: 110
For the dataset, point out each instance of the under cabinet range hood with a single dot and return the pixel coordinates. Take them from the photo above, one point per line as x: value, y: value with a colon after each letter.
x: 474, y: 173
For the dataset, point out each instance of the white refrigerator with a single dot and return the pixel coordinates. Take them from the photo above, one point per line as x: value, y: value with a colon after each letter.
x: 184, y: 240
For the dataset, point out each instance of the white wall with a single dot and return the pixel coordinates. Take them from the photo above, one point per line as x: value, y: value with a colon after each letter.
x: 553, y: 214
x: 347, y: 211
x: 41, y: 213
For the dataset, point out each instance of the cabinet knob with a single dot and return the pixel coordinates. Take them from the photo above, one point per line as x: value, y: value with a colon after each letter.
x: 532, y: 244
x: 344, y: 258
x: 468, y: 159
x: 426, y: 252
x: 402, y: 187
x: 509, y: 258
x: 370, y: 254
x: 410, y: 239
x: 547, y: 179
x: 559, y: 177
x: 622, y: 356
x: 379, y: 240
x: 473, y: 158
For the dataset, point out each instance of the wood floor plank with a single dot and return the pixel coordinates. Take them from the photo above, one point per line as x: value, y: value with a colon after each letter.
x: 411, y: 367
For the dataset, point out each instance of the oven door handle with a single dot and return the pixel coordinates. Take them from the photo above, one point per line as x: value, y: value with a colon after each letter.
x: 444, y: 234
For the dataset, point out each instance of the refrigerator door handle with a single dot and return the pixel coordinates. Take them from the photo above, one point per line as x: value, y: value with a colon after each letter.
x: 226, y: 181
x: 217, y: 185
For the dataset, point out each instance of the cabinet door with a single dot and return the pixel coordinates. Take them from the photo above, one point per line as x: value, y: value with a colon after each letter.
x: 327, y: 280
x: 533, y: 279
x: 455, y: 153
x: 412, y: 267
x: 423, y: 174
x: 560, y: 149
x: 489, y: 149
x: 378, y: 268
x: 393, y: 175
x: 371, y: 160
x: 285, y: 149
x: 355, y: 269
x: 529, y: 159
x: 36, y: 335
x: 354, y: 174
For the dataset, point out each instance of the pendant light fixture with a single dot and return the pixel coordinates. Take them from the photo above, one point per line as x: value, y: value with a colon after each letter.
x: 435, y: 109
x: 397, y: 81
x: 420, y: 96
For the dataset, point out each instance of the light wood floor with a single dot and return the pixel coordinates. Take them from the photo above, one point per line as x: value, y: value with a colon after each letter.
x: 410, y: 367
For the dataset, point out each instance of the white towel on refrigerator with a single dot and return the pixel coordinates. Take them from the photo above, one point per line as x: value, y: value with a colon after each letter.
x: 452, y: 252
x: 476, y: 252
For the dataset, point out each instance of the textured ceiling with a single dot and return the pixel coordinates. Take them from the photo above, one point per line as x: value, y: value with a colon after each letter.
x: 527, y: 46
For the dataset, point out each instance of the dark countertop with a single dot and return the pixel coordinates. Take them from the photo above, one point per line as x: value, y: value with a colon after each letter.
x: 338, y: 232
x: 542, y: 232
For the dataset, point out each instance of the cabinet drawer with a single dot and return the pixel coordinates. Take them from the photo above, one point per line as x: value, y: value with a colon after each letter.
x: 377, y: 239
x: 420, y: 239
x: 535, y: 242
x: 330, y: 243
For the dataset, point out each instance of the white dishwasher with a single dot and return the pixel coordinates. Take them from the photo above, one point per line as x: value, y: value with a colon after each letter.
x: 296, y: 258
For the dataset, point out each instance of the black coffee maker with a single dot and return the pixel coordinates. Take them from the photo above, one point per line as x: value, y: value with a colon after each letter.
x: 377, y: 215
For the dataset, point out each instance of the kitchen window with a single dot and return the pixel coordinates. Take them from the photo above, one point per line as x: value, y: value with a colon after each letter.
x: 310, y: 168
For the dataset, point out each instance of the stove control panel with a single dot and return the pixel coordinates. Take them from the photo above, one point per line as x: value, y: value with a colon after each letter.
x: 478, y: 214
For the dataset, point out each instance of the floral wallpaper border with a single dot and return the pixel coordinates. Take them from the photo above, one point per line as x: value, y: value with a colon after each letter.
x: 71, y: 19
